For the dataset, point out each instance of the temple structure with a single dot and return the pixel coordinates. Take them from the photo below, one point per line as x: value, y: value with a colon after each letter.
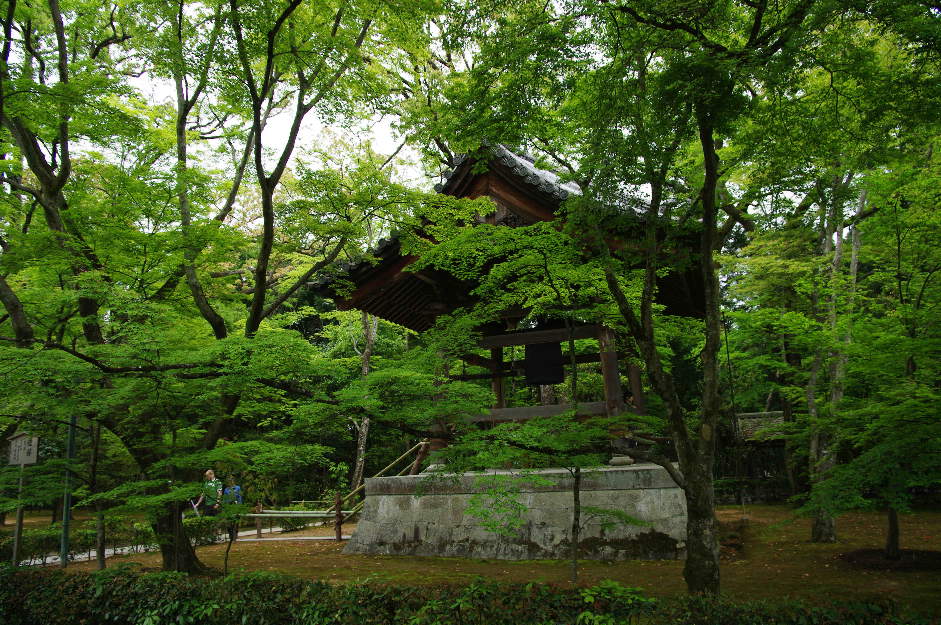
x: 524, y: 194
x: 395, y: 518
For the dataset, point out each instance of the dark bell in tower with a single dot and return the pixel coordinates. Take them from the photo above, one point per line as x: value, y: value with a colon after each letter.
x: 544, y: 364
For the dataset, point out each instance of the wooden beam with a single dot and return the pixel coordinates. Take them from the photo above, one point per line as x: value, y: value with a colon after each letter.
x: 496, y: 385
x: 424, y: 277
x: 379, y: 281
x: 479, y: 361
x: 532, y: 337
x: 508, y: 372
x: 613, y: 396
x: 522, y: 413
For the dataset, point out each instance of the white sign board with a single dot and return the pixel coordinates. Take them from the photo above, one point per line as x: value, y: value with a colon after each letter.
x: 23, y: 449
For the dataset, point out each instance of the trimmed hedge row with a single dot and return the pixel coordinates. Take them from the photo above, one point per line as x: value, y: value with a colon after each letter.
x: 39, y: 542
x: 120, y: 532
x: 120, y: 596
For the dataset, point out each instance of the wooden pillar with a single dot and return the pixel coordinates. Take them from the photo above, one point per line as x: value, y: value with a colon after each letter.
x: 613, y: 397
x: 338, y: 518
x: 496, y: 355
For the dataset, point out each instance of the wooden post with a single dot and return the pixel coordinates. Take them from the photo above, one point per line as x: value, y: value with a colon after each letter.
x: 613, y: 397
x: 258, y: 521
x: 496, y: 354
x: 338, y: 518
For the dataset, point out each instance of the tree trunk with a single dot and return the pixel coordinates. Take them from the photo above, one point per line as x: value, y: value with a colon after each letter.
x: 232, y: 535
x: 370, y: 326
x: 93, y: 487
x: 362, y: 433
x: 793, y: 361
x: 175, y: 549
x: 100, y: 542
x: 701, y: 571
x: 823, y: 528
x: 893, y: 550
x: 22, y: 329
x: 695, y: 450
x: 820, y: 455
x: 576, y: 520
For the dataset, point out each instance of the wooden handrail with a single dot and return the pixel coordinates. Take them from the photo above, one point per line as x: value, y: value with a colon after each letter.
x: 418, y: 445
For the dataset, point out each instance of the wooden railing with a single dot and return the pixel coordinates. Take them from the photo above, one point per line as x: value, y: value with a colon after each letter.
x: 336, y: 511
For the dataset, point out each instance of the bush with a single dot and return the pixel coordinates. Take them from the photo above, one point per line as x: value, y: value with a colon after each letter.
x: 121, y: 596
x: 700, y: 611
x: 202, y: 530
x: 38, y: 543
x: 35, y: 544
x: 292, y: 524
x: 142, y: 536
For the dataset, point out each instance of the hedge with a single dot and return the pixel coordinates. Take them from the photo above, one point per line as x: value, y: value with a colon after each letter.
x: 38, y: 543
x: 120, y: 596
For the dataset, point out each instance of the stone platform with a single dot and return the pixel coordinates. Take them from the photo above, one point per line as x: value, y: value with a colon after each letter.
x: 426, y: 515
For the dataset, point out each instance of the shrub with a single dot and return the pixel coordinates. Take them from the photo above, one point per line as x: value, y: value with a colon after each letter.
x: 142, y: 536
x: 202, y: 530
x: 35, y: 544
x: 38, y: 543
x: 291, y: 524
x: 122, y: 596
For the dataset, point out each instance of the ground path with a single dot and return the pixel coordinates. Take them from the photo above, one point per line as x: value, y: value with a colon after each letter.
x: 250, y: 535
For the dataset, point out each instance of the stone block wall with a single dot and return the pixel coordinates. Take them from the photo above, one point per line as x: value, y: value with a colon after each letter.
x: 427, y: 515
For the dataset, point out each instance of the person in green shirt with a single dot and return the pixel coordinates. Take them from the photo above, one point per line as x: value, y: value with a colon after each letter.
x: 211, y: 497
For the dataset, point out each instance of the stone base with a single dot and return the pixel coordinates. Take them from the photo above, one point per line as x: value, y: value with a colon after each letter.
x: 427, y: 515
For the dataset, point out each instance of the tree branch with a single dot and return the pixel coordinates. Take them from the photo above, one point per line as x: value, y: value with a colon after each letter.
x: 329, y: 258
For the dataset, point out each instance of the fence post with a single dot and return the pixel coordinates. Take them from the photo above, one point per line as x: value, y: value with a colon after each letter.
x: 258, y: 521
x: 338, y: 518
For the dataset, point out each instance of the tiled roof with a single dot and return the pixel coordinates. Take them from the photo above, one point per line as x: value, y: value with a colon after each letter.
x: 523, y: 166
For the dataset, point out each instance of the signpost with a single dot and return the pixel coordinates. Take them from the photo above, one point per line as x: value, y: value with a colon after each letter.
x: 24, y: 449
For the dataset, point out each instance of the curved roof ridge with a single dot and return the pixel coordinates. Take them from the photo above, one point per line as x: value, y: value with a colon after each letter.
x: 524, y: 166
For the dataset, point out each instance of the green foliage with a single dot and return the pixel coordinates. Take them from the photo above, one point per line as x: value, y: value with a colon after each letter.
x: 292, y: 524
x: 122, y: 596
x: 701, y: 611
x: 37, y: 544
x: 202, y: 530
x: 410, y: 397
x: 498, y: 505
x: 631, y: 603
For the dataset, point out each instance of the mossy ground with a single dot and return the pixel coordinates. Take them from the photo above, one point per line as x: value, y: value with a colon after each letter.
x: 766, y: 555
